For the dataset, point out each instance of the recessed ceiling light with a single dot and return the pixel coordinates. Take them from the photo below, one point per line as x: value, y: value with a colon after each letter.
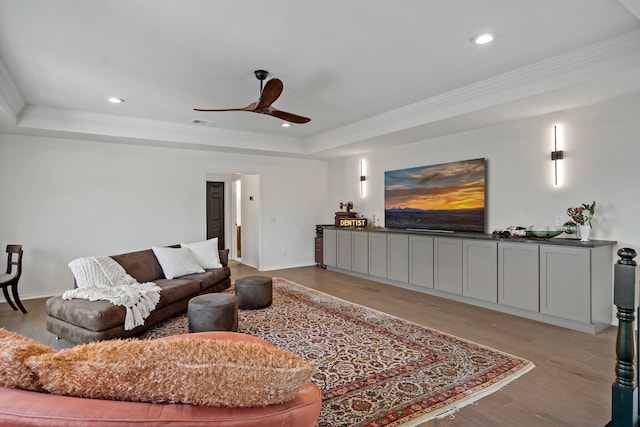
x: 115, y: 100
x: 484, y: 38
x: 286, y: 125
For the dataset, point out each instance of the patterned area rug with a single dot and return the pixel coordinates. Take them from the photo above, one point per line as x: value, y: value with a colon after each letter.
x: 373, y: 369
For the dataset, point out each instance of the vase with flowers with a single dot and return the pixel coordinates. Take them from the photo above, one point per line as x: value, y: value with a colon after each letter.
x: 582, y: 216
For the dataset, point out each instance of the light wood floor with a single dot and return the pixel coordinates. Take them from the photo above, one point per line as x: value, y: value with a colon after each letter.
x: 570, y: 386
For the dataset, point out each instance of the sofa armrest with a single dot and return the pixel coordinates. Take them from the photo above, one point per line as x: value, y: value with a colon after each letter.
x: 224, y: 257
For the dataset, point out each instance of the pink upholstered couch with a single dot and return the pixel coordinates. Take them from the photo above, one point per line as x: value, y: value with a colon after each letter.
x: 28, y: 408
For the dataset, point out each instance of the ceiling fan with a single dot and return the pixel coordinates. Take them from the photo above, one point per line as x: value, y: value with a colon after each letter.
x: 268, y: 95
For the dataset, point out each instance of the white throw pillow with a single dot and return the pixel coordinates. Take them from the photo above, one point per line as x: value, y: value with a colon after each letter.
x: 206, y: 253
x: 176, y: 262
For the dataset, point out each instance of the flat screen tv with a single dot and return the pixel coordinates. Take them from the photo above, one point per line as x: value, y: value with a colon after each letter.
x: 444, y: 197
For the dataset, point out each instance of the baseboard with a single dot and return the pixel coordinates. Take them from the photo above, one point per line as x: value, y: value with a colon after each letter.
x: 36, y: 296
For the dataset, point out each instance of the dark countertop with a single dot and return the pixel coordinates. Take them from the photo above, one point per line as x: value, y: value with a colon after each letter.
x: 481, y: 236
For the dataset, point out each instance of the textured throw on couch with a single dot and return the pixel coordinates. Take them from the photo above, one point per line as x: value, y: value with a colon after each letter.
x: 101, y: 278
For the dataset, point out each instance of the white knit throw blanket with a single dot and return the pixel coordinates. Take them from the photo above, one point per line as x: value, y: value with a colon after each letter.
x: 102, y: 278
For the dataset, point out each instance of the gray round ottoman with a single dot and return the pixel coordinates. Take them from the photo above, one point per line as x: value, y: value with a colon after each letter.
x: 254, y: 292
x: 213, y: 312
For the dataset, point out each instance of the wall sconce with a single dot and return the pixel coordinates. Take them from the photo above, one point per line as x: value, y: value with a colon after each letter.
x: 363, y: 179
x: 556, y: 154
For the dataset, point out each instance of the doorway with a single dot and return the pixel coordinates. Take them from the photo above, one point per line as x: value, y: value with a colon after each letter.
x: 236, y: 218
x: 215, y: 212
x: 233, y: 214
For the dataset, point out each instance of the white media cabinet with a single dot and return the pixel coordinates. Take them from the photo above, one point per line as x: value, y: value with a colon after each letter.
x: 563, y: 282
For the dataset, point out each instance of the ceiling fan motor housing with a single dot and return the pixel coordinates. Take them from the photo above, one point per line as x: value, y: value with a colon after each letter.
x: 261, y: 74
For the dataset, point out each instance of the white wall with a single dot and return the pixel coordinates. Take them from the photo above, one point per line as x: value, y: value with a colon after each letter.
x: 68, y: 198
x: 251, y: 202
x: 64, y: 199
x: 602, y: 160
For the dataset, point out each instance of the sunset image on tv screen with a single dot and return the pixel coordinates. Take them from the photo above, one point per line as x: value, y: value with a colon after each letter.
x: 443, y: 197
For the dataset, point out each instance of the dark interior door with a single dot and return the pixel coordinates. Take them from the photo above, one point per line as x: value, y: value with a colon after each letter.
x: 215, y: 212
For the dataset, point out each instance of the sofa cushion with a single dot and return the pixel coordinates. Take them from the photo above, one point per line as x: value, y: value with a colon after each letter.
x: 206, y: 253
x: 176, y: 289
x: 182, y: 370
x: 91, y: 315
x: 142, y: 265
x: 176, y: 262
x: 14, y: 350
x: 209, y: 278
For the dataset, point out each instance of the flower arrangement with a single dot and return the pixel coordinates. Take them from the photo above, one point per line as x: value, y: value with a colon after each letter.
x: 582, y: 215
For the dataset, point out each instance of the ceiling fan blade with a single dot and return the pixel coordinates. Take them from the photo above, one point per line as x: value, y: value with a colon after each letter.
x: 268, y: 95
x: 289, y: 117
x: 249, y: 107
x: 271, y: 92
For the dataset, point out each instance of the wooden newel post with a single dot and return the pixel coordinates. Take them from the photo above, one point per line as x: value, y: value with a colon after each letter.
x: 624, y: 393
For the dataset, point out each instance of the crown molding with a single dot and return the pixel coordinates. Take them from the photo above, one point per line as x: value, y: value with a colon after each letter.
x: 11, y: 101
x: 600, y: 60
x: 178, y: 134
x: 607, y: 59
x: 632, y: 6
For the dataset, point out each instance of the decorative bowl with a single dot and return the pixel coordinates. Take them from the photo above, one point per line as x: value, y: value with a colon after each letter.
x: 570, y: 227
x: 546, y: 233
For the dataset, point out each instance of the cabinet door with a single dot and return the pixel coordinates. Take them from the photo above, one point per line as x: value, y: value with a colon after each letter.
x: 330, y: 244
x: 360, y: 252
x: 421, y: 260
x: 565, y: 282
x: 479, y: 269
x: 318, y: 246
x: 398, y: 257
x: 518, y: 275
x: 447, y: 265
x: 378, y: 254
x: 344, y: 249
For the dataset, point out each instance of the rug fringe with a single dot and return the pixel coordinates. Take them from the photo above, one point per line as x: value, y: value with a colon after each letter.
x: 457, y: 406
x: 454, y: 407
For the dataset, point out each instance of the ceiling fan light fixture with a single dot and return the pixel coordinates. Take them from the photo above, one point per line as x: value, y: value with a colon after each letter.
x: 286, y: 125
x: 484, y: 38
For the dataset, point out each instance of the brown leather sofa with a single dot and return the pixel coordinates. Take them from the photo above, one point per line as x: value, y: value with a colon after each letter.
x: 81, y: 321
